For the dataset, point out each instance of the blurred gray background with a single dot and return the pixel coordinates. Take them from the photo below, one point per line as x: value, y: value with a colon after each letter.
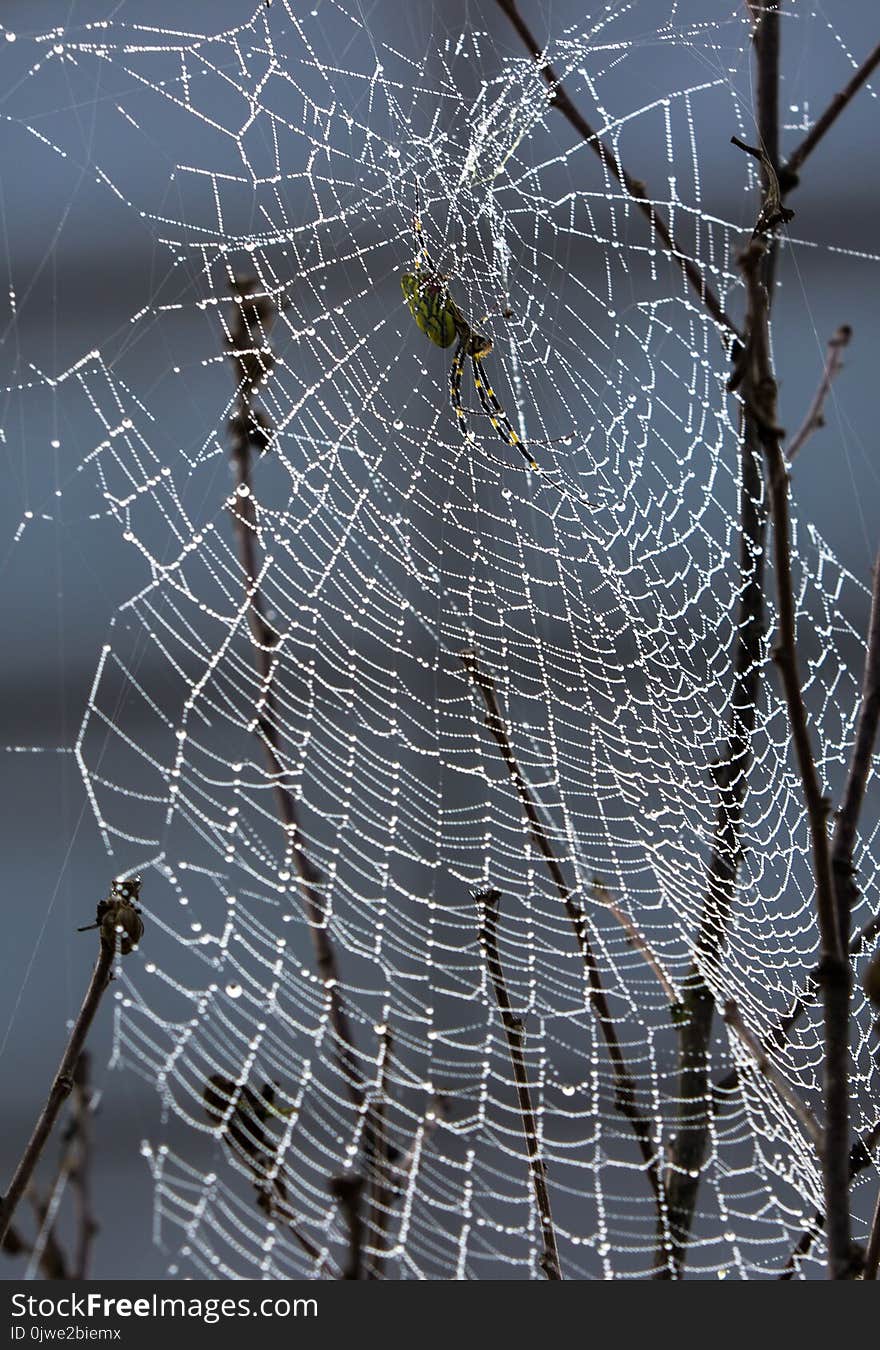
x: 80, y: 273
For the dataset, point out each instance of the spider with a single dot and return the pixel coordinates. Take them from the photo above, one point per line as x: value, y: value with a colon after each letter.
x: 438, y: 316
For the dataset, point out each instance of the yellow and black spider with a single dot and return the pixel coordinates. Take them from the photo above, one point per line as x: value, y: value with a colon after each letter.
x: 426, y: 291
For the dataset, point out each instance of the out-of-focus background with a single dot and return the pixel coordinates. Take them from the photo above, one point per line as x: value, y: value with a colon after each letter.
x: 81, y: 264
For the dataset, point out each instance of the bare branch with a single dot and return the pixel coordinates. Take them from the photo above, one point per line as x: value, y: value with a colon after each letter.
x: 488, y: 902
x: 765, y: 1066
x: 794, y: 163
x: 689, y: 1147
x: 73, y: 1170
x: 635, y: 189
x: 842, y: 846
x: 381, y: 1197
x: 625, y: 1096
x: 47, y: 1254
x: 637, y: 939
x: 250, y: 429
x: 244, y: 1117
x: 759, y: 395
x: 779, y: 1034
x: 846, y: 825
x: 347, y: 1191
x: 62, y: 1084
x: 80, y: 1174
x: 860, y: 1158
x: 815, y: 418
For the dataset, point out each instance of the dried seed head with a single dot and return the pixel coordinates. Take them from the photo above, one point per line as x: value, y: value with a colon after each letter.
x: 118, y: 917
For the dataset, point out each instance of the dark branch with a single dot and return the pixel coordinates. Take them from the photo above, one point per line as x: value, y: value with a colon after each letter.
x: 250, y: 430
x: 62, y: 1084
x: 347, y: 1191
x: 381, y: 1194
x: 815, y: 418
x: 81, y: 1176
x: 635, y: 189
x: 846, y: 825
x: 637, y: 939
x: 860, y: 1158
x: 845, y: 828
x: 759, y: 396
x: 488, y: 903
x: 244, y: 1117
x: 50, y: 1256
x: 625, y: 1095
x: 779, y: 1034
x: 689, y: 1148
x: 765, y: 1066
x: 791, y: 170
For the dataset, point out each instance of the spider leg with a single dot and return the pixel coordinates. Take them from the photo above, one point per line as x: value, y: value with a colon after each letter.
x: 496, y: 414
x: 456, y: 370
x: 422, y: 256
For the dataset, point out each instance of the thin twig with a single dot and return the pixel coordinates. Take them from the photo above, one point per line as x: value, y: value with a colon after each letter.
x: 81, y: 1178
x: 250, y: 429
x: 276, y: 1208
x: 792, y: 167
x: 779, y: 1034
x: 815, y: 418
x: 625, y: 1089
x: 635, y: 189
x: 244, y: 1116
x: 860, y: 1158
x: 765, y: 1066
x: 689, y: 1147
x: 47, y: 1254
x: 637, y: 939
x: 73, y: 1172
x: 347, y: 1191
x: 488, y: 903
x: 380, y: 1186
x: 62, y: 1084
x: 846, y: 825
x: 759, y: 394
x: 436, y: 1112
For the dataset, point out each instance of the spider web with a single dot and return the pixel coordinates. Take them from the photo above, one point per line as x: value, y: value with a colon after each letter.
x: 599, y: 597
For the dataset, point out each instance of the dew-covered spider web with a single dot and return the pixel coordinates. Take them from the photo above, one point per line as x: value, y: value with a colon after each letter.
x: 595, y: 602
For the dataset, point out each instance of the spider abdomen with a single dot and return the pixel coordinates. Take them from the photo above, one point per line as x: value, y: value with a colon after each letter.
x: 434, y: 311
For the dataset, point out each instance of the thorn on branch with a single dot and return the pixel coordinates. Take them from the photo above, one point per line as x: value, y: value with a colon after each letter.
x: 815, y: 418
